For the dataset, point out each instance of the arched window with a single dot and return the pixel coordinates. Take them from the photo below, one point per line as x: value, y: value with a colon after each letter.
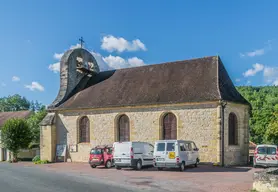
x: 123, y: 131
x: 233, y: 129
x: 84, y: 130
x: 169, y: 126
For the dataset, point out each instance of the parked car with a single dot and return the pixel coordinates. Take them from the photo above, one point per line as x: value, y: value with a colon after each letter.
x: 175, y: 154
x: 266, y: 156
x: 101, y: 155
x: 132, y: 154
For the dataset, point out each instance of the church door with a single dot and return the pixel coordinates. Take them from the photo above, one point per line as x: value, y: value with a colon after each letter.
x: 124, y: 133
x: 169, y: 126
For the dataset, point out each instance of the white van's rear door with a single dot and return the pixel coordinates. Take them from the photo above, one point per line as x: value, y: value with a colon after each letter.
x: 122, y: 152
x: 160, y: 152
x: 271, y: 157
x: 171, y: 152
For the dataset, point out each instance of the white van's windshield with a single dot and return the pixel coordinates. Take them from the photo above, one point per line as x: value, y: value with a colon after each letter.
x: 170, y: 146
x: 161, y: 147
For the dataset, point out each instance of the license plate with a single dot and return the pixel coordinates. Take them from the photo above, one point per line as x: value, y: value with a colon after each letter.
x: 172, y: 155
x: 117, y: 160
x: 160, y: 159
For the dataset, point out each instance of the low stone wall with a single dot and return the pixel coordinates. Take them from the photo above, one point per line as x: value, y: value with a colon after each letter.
x: 266, y: 180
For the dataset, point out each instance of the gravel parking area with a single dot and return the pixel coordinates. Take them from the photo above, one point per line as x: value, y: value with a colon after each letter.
x: 203, y: 178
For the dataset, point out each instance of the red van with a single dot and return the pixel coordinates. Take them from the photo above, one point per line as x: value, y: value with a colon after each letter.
x: 101, y: 155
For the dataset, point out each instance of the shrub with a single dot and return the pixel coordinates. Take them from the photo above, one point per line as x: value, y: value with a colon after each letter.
x: 36, y: 158
x: 41, y: 162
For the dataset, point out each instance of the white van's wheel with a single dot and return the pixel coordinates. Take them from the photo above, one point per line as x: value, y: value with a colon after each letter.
x: 182, y: 167
x: 139, y: 164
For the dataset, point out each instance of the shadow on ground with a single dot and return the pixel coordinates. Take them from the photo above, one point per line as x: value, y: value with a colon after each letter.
x: 200, y: 168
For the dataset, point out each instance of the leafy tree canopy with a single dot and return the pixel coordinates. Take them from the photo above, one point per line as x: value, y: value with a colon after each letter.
x: 15, y: 135
x: 263, y: 121
x: 33, y: 123
x: 18, y: 103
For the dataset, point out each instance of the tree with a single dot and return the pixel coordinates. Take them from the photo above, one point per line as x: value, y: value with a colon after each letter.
x: 272, y: 130
x: 33, y: 123
x: 263, y: 100
x: 36, y: 106
x: 16, y: 135
x: 14, y: 103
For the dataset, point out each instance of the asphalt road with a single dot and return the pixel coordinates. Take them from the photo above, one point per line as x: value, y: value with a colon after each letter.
x: 30, y: 179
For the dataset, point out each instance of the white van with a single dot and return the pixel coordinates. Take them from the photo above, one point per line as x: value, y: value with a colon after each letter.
x: 175, y: 154
x: 132, y: 154
x: 266, y: 156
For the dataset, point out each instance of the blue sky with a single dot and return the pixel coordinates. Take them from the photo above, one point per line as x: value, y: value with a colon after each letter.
x: 131, y: 33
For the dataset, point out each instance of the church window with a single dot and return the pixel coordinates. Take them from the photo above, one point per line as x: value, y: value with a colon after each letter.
x: 169, y: 125
x: 84, y: 130
x: 124, y: 131
x: 233, y: 129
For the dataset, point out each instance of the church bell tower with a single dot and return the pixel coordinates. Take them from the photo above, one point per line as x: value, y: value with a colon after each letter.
x: 75, y: 65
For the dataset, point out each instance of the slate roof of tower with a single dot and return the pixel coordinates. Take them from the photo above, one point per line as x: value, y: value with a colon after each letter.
x: 195, y: 80
x: 4, y: 116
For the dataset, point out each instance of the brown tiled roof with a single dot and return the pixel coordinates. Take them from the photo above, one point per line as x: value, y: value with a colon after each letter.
x: 196, y: 80
x: 4, y: 116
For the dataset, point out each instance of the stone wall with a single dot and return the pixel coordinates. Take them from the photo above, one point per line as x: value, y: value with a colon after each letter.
x: 266, y: 180
x: 194, y: 122
x: 197, y: 122
x: 237, y: 154
x: 48, y: 143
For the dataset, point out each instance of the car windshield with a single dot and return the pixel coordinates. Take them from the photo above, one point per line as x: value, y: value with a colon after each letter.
x: 96, y: 151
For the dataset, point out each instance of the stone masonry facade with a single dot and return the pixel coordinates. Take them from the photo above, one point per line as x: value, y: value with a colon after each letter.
x: 200, y: 123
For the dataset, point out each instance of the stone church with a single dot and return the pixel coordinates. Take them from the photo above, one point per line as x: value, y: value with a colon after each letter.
x: 191, y: 99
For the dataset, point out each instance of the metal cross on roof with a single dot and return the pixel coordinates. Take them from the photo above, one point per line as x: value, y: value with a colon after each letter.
x: 81, y: 41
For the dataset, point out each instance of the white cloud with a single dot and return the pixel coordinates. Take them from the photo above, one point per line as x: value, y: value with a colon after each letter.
x: 117, y: 62
x: 78, y: 45
x: 111, y: 43
x: 271, y: 75
x: 256, y: 68
x: 254, y: 53
x: 58, y: 56
x: 248, y: 83
x: 135, y: 62
x: 15, y: 78
x: 54, y: 67
x: 238, y: 80
x: 35, y: 86
x: 103, y: 66
x: 3, y: 84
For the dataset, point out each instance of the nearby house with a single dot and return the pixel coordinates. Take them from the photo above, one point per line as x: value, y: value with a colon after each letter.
x: 191, y: 99
x: 4, y: 116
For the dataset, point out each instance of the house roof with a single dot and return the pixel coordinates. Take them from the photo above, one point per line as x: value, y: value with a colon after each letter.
x: 195, y: 80
x: 4, y: 116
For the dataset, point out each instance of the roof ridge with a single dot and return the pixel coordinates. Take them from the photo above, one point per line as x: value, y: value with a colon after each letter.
x: 162, y: 63
x: 15, y: 111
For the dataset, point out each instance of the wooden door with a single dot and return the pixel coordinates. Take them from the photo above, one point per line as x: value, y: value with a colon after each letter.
x: 169, y: 126
x: 124, y: 132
